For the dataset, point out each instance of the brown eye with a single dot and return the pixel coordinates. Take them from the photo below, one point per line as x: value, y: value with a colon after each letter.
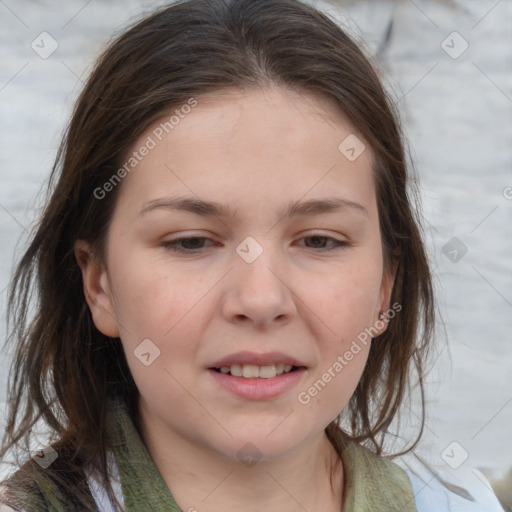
x: 185, y: 245
x: 321, y: 242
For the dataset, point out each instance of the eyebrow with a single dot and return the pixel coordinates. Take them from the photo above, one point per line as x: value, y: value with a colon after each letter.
x: 212, y: 208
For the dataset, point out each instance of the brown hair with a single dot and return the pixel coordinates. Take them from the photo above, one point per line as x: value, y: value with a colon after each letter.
x: 64, y: 368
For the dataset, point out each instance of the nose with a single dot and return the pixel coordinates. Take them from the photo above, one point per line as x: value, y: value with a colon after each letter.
x: 259, y: 291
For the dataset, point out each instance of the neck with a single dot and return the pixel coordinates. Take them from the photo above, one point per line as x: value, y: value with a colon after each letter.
x: 201, y: 479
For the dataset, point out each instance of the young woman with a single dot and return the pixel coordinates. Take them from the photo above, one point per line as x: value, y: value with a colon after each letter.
x: 232, y: 288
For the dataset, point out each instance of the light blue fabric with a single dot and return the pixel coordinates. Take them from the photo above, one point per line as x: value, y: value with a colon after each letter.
x: 98, y: 491
x: 462, y: 490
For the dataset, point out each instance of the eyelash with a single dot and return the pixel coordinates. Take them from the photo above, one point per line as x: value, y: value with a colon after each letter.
x: 172, y: 245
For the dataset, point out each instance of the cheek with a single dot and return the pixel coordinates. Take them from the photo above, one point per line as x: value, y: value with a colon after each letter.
x: 346, y: 303
x: 161, y: 309
x: 347, y: 299
x: 162, y: 305
x: 330, y: 388
x: 152, y: 297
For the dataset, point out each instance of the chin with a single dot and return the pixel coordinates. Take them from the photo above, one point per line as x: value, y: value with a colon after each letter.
x: 264, y: 444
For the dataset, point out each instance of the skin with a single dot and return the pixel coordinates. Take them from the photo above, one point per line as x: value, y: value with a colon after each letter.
x: 255, y: 151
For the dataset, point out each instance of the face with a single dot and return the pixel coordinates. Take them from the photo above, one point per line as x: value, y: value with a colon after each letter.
x: 268, y: 276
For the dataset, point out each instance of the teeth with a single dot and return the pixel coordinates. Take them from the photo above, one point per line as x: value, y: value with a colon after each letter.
x: 252, y: 371
x: 267, y: 372
x: 236, y: 370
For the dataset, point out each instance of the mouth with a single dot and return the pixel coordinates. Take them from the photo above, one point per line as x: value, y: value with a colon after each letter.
x: 251, y: 382
x: 257, y: 376
x: 252, y: 371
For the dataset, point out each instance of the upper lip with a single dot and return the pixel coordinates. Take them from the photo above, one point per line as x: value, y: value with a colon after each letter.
x: 262, y: 359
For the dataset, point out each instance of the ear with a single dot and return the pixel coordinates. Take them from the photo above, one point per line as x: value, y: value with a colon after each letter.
x: 97, y: 290
x: 386, y: 289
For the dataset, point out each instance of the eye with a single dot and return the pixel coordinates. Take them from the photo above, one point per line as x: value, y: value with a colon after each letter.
x: 321, y: 240
x: 190, y: 244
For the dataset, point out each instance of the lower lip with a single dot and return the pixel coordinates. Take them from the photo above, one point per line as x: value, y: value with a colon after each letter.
x: 258, y: 389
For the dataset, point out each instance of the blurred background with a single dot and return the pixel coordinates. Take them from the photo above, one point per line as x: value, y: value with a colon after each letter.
x: 448, y: 66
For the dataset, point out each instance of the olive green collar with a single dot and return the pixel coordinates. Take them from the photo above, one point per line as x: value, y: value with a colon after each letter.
x: 143, y: 486
x: 374, y: 484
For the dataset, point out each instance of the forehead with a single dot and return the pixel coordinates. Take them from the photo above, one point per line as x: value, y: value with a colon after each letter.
x: 257, y: 144
x: 249, y: 116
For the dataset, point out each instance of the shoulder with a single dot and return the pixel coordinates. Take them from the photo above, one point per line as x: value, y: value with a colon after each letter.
x: 442, y: 490
x: 40, y: 487
x: 4, y: 500
x: 18, y: 495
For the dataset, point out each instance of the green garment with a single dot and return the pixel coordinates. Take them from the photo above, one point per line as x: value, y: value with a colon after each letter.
x: 372, y: 484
